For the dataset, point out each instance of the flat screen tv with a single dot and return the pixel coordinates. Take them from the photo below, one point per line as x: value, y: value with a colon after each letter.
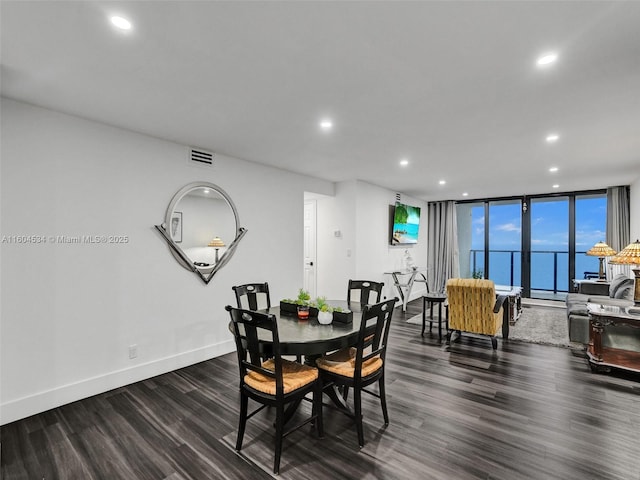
x: 406, y: 224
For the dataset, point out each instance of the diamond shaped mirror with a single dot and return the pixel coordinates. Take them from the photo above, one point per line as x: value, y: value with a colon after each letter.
x: 202, y: 228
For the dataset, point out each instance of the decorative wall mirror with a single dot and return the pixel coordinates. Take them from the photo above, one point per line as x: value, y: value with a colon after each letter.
x: 202, y: 228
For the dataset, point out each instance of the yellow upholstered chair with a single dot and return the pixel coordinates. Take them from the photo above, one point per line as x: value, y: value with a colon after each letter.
x: 474, y: 307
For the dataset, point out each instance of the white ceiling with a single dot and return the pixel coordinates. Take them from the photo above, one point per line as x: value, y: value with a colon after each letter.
x: 451, y: 86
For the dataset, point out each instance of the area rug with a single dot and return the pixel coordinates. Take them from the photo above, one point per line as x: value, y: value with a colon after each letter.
x: 537, y: 324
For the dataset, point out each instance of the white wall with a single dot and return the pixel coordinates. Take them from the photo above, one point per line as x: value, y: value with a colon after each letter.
x: 360, y: 211
x: 335, y: 254
x: 70, y: 311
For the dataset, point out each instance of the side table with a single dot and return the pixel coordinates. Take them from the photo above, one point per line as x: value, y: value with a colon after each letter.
x: 431, y: 299
x: 614, y: 337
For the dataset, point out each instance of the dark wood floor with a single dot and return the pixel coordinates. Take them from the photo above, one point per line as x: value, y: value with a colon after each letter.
x: 524, y: 411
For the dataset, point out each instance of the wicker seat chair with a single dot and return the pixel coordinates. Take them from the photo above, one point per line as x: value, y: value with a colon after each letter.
x: 360, y: 366
x: 275, y: 382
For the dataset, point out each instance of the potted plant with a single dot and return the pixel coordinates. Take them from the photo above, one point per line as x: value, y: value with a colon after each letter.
x: 328, y: 313
x: 325, y: 311
x: 342, y: 316
x: 290, y: 306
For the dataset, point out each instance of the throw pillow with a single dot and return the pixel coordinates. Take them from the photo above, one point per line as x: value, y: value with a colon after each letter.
x: 618, y: 281
x: 625, y: 290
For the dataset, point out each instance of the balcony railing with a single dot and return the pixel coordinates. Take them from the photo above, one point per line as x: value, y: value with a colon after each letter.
x: 549, y: 268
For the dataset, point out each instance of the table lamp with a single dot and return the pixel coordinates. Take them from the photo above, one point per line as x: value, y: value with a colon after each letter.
x: 630, y: 255
x: 601, y: 250
x: 216, y: 243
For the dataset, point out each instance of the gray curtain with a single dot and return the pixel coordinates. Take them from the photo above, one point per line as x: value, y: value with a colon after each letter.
x: 442, y: 245
x: 618, y: 224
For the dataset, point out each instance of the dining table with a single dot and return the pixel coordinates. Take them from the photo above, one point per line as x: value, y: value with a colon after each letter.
x: 309, y: 337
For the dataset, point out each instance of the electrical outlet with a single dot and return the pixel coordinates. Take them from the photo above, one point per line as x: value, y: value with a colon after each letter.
x: 133, y: 351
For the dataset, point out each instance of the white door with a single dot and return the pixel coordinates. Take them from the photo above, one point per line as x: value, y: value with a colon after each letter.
x: 309, y: 282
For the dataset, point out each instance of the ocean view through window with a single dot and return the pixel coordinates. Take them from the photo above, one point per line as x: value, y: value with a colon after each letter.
x: 540, y: 247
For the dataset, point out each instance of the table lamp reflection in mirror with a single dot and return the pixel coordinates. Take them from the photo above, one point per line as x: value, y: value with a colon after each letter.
x: 216, y: 243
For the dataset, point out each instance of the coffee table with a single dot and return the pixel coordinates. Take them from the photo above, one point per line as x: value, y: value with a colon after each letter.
x: 513, y: 306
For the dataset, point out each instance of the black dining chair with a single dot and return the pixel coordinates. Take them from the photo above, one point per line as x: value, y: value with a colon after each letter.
x: 368, y: 292
x: 252, y: 296
x: 275, y: 382
x: 360, y: 366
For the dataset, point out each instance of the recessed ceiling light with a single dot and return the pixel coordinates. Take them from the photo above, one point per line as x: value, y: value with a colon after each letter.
x: 556, y: 186
x: 326, y: 124
x: 552, y: 137
x: 465, y: 194
x: 121, y: 23
x: 404, y: 162
x: 553, y: 169
x: 442, y: 182
x: 206, y: 191
x: 547, y: 59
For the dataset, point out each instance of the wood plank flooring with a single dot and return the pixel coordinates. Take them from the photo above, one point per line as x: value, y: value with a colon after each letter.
x: 524, y: 411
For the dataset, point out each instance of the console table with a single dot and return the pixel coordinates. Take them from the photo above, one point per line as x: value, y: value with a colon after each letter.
x: 404, y: 280
x: 614, y: 337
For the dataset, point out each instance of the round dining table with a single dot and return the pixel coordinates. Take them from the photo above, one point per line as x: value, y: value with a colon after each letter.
x: 309, y: 337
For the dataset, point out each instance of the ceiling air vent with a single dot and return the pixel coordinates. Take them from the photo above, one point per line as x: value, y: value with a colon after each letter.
x: 200, y: 157
x: 397, y: 197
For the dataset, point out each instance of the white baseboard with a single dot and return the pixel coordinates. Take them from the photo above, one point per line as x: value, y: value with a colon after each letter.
x: 42, y: 401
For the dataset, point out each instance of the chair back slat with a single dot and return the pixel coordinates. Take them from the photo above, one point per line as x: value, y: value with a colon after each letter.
x: 250, y: 347
x: 373, y: 333
x: 252, y: 296
x: 368, y: 292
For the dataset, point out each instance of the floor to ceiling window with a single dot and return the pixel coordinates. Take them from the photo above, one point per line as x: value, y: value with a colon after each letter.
x: 537, y: 242
x: 549, y: 217
x: 470, y: 217
x: 505, y: 242
x: 591, y: 228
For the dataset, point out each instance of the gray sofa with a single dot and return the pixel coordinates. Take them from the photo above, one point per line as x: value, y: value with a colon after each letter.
x: 618, y: 293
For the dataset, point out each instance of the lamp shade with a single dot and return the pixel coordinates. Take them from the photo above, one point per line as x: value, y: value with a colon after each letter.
x: 601, y: 249
x: 630, y: 255
x: 216, y: 243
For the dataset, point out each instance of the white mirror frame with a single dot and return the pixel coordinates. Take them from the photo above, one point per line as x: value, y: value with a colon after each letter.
x: 175, y: 249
